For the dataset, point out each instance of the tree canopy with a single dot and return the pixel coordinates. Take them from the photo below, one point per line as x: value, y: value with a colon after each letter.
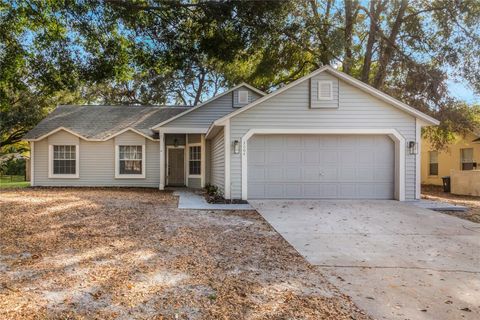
x: 182, y: 52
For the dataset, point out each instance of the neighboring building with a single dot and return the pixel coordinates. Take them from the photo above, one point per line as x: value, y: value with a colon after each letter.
x: 462, y: 154
x: 326, y: 135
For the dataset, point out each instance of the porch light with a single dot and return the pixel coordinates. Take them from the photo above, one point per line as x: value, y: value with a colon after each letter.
x: 175, y: 142
x: 236, y: 147
x: 413, y: 147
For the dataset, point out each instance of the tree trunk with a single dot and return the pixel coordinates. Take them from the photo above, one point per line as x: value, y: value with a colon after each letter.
x: 201, y: 82
x: 350, y: 17
x: 389, y: 46
x: 372, y: 37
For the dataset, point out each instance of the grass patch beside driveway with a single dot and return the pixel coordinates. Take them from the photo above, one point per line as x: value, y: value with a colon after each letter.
x: 130, y: 253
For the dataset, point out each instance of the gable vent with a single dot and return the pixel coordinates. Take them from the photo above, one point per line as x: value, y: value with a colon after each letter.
x: 325, y: 90
x: 242, y: 96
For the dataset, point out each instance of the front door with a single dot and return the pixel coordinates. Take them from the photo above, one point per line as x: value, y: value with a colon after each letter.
x: 176, y: 167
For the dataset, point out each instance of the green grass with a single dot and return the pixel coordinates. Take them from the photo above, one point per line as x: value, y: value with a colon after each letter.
x: 13, y: 182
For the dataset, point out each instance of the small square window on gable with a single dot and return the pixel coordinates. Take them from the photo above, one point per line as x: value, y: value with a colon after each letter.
x: 325, y: 90
x: 242, y: 96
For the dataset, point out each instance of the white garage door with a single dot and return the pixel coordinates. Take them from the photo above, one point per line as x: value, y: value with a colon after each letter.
x: 321, y: 167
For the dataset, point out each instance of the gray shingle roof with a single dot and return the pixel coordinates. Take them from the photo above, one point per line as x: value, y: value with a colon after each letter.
x: 100, y: 122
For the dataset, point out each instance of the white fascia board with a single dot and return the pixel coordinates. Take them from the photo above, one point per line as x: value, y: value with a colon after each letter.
x: 88, y: 139
x: 243, y: 84
x: 183, y: 130
x: 343, y: 76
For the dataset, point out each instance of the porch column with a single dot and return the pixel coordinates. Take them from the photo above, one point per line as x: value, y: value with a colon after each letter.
x: 162, y: 160
x: 202, y: 161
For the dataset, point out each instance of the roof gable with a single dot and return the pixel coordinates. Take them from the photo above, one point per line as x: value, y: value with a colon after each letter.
x: 261, y: 93
x: 348, y: 79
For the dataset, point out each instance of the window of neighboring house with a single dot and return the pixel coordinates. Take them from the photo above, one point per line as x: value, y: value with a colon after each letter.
x: 433, y: 160
x: 194, y: 161
x: 242, y: 96
x: 130, y: 160
x: 325, y: 90
x: 466, y: 157
x: 64, y: 160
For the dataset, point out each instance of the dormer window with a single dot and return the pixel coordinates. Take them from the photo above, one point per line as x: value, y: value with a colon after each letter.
x: 325, y: 90
x: 243, y: 96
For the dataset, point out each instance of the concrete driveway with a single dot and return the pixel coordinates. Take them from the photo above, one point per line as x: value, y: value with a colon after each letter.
x: 395, y: 260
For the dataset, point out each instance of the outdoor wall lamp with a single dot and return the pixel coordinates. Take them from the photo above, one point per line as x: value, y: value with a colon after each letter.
x: 175, y: 142
x: 236, y: 147
x: 413, y: 147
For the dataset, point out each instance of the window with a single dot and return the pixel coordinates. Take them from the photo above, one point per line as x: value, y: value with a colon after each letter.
x: 325, y: 90
x: 242, y: 96
x: 194, y: 161
x: 130, y: 160
x: 466, y: 157
x: 65, y: 160
x: 433, y: 161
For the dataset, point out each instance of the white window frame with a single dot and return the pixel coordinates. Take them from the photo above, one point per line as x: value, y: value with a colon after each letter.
x: 52, y: 175
x: 118, y: 175
x: 319, y: 84
x: 198, y: 144
x: 462, y: 160
x: 240, y: 92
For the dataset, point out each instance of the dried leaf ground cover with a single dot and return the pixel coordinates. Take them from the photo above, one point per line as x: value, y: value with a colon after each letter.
x: 131, y: 254
x: 472, y: 203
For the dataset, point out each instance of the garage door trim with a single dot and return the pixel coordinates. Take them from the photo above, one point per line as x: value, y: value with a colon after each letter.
x: 392, y: 133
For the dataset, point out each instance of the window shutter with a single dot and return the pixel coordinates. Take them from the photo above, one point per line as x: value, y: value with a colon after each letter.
x: 325, y: 90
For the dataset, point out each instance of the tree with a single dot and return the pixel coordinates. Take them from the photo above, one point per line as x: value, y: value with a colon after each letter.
x: 162, y: 52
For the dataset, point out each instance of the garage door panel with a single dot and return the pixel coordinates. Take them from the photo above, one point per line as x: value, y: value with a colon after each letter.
x: 321, y: 166
x: 274, y: 157
x: 256, y: 157
x: 256, y: 173
x: 329, y: 156
x: 294, y: 174
x: 275, y: 173
x: 293, y: 190
x: 293, y: 157
x: 274, y: 190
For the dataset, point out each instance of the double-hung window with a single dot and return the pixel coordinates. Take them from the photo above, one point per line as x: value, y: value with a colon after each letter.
x: 433, y: 163
x: 466, y: 157
x: 195, y: 160
x: 63, y: 161
x: 130, y: 161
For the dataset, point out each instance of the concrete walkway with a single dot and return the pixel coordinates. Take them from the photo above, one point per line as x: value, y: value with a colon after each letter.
x: 188, y: 199
x: 396, y: 261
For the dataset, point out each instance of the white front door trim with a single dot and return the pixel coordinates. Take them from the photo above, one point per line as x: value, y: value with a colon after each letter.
x: 392, y: 133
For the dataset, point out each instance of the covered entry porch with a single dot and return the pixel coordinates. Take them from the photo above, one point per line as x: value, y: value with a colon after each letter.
x: 182, y: 160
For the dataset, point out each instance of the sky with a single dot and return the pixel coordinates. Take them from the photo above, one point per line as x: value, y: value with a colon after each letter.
x: 463, y: 92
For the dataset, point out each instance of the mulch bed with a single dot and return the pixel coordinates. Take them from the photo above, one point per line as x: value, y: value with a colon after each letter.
x: 130, y: 253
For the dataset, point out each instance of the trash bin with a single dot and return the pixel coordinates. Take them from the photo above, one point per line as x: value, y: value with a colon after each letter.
x: 446, y: 184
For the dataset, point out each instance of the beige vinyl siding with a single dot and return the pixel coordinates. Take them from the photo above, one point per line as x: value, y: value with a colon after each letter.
x: 218, y: 161
x: 204, y: 116
x: 97, y: 162
x: 290, y: 110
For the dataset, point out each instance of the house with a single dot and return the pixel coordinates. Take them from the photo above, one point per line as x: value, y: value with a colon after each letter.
x: 458, y: 160
x: 461, y: 154
x: 326, y: 135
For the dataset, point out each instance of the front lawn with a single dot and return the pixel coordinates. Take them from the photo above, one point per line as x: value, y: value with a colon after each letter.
x: 131, y: 254
x: 13, y: 182
x: 472, y: 203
